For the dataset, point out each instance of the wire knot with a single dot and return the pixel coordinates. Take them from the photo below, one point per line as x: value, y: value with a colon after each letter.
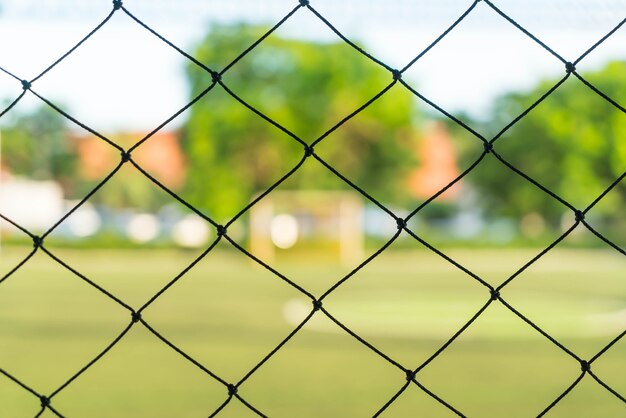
x: 125, y: 156
x: 397, y: 74
x: 45, y: 401
x: 317, y: 305
x: 308, y: 151
x: 569, y: 67
x: 488, y: 147
x: 26, y: 84
x: 221, y: 230
x: 117, y: 4
x: 580, y: 216
x: 304, y: 3
x: 136, y: 316
x: 400, y: 223
x: 232, y: 389
x: 37, y: 241
x: 585, y: 366
x: 410, y: 375
x: 495, y: 294
x: 216, y: 77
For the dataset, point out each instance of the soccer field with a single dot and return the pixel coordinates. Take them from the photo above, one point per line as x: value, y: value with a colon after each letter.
x: 228, y: 314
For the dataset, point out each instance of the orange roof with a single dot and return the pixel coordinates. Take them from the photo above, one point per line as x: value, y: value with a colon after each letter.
x: 160, y: 155
x: 438, y: 165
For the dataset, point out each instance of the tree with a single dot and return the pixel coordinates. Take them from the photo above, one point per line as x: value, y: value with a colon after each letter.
x: 36, y: 144
x: 573, y: 143
x: 307, y: 87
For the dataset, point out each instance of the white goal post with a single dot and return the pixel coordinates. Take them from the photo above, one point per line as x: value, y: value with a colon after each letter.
x: 283, y: 218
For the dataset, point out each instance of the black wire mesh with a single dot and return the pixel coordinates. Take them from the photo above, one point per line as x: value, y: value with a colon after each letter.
x: 411, y: 372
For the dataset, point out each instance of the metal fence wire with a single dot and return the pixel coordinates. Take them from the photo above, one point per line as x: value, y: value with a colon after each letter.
x: 410, y: 373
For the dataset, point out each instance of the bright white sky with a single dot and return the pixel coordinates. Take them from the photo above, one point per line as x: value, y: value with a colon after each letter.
x: 124, y: 78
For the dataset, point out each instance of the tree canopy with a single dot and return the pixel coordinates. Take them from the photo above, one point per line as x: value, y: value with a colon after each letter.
x: 305, y: 86
x: 36, y: 144
x: 573, y: 143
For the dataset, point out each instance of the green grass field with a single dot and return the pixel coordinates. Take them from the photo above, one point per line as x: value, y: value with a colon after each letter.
x: 228, y: 314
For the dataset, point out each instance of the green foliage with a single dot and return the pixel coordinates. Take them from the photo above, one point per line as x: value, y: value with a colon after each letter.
x: 307, y: 87
x: 128, y: 189
x: 573, y: 143
x: 37, y: 145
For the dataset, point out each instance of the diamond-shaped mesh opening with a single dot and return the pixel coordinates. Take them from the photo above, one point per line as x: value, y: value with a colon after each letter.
x: 263, y: 154
x: 408, y: 309
x: 469, y: 52
x: 487, y: 356
x: 370, y: 141
x: 281, y: 79
x: 305, y: 386
x: 577, y: 129
x: 494, y: 212
x: 555, y: 292
x: 129, y: 55
x: 73, y: 324
x: 99, y: 392
x: 326, y: 217
x: 229, y: 295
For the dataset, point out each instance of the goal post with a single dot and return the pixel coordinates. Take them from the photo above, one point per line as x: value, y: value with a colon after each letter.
x: 285, y: 219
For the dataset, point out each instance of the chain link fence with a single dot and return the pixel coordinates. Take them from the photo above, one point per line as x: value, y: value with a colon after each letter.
x: 493, y: 295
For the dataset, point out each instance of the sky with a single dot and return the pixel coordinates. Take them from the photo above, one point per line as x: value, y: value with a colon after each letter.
x: 124, y: 78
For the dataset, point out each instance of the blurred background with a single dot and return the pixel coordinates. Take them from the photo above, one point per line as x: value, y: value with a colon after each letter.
x: 131, y: 237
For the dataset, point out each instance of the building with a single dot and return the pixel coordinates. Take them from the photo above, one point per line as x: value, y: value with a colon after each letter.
x: 438, y: 165
x: 161, y: 156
